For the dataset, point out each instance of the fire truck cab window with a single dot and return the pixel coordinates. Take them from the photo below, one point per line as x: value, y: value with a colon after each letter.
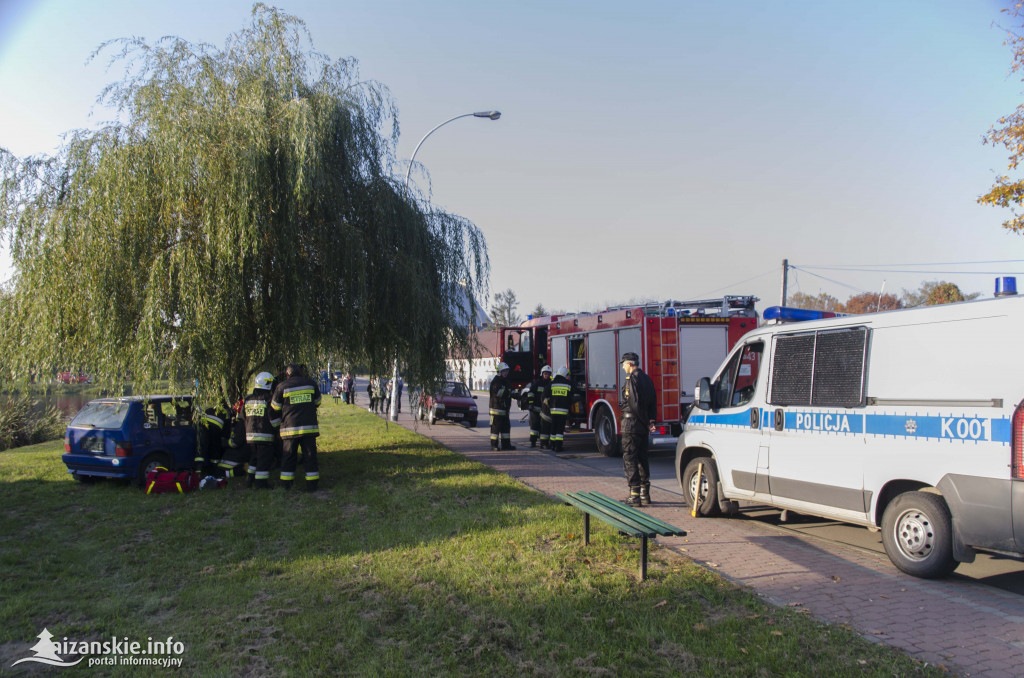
x: 518, y: 342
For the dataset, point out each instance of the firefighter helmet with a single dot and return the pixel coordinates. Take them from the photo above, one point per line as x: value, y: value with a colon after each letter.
x: 546, y: 368
x: 502, y: 367
x: 264, y: 380
x: 563, y: 371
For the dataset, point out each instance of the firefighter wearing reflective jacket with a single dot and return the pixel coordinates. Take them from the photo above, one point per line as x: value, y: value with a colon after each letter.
x: 561, y: 397
x: 639, y: 406
x: 538, y: 392
x: 499, y: 405
x: 296, y: 399
x: 261, y: 425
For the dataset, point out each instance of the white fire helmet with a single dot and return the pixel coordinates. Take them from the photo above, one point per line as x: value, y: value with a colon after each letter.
x: 502, y: 367
x: 563, y: 371
x: 546, y: 368
x: 264, y: 380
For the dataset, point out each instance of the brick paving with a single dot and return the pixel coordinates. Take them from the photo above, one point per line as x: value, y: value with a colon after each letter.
x: 970, y: 628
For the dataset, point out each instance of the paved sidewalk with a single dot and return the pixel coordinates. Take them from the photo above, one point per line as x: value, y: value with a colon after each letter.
x: 968, y: 627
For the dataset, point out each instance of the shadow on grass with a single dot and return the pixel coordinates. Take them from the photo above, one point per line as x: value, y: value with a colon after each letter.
x: 410, y: 560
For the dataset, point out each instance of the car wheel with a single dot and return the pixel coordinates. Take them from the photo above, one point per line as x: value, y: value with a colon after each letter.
x: 150, y: 463
x: 608, y: 443
x: 431, y: 417
x: 421, y: 413
x: 84, y: 479
x: 471, y: 422
x: 708, y: 485
x: 918, y: 536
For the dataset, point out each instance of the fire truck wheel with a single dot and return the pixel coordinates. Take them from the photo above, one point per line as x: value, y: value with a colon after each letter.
x: 608, y: 443
x: 917, y: 535
x: 708, y: 486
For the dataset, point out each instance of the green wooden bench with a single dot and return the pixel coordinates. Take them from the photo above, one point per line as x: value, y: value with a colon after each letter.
x: 625, y: 519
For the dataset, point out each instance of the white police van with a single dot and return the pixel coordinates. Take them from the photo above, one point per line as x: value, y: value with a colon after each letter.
x: 910, y: 420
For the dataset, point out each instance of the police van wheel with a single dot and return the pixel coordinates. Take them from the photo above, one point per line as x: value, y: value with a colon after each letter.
x: 917, y: 535
x: 608, y: 443
x: 708, y: 486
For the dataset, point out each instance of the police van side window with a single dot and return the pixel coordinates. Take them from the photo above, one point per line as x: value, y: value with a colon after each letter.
x: 824, y: 369
x: 735, y: 387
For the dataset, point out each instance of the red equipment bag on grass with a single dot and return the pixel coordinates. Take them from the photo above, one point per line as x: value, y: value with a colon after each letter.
x: 160, y: 480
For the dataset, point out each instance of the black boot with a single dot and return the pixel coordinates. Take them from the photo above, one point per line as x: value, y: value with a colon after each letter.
x: 645, y: 493
x: 250, y: 479
x: 311, y: 485
x: 533, y: 441
x: 634, y: 497
x: 286, y: 485
x: 263, y: 484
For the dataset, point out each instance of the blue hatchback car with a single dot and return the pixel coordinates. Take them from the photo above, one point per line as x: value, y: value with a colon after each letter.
x: 130, y: 436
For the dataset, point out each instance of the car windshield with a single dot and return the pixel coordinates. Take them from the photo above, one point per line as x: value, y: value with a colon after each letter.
x: 456, y: 389
x: 101, y: 414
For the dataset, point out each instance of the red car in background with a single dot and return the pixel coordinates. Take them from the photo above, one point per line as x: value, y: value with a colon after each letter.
x: 74, y: 378
x: 453, y: 402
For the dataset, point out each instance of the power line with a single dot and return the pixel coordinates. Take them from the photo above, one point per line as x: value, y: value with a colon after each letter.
x: 736, y: 284
x: 895, y: 270
x: 835, y: 282
x: 934, y: 263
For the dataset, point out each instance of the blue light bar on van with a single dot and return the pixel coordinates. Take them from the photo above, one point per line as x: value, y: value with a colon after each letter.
x: 786, y: 314
x: 1006, y: 287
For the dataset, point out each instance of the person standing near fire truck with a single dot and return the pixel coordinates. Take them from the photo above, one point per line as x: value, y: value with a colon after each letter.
x: 639, y: 406
x: 297, y: 399
x: 499, y: 406
x: 561, y: 398
x: 538, y: 392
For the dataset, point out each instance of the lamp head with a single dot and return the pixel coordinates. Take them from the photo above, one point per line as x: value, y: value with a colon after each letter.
x: 493, y: 115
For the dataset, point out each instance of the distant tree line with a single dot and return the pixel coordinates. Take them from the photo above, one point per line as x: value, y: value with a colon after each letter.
x: 929, y: 294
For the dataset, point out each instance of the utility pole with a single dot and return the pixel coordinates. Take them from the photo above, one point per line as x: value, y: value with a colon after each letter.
x: 785, y: 281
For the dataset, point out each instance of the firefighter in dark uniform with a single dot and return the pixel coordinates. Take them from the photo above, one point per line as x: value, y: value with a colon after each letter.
x: 538, y: 391
x: 235, y: 453
x: 561, y: 398
x: 260, y: 430
x: 639, y: 405
x: 210, y: 447
x: 499, y: 406
x: 296, y: 399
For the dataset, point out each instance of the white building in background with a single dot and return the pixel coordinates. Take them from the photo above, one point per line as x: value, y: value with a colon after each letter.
x: 478, y: 369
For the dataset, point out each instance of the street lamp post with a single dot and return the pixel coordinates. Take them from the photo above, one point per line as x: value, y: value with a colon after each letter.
x: 489, y: 115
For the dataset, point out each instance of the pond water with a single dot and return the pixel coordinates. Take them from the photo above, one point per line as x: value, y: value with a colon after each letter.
x: 68, y: 403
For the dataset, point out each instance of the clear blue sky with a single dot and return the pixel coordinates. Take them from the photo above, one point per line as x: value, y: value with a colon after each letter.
x: 664, y: 149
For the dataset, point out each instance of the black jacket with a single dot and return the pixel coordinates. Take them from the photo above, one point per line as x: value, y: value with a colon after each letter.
x: 261, y: 421
x: 501, y: 396
x: 639, y: 399
x: 296, y: 399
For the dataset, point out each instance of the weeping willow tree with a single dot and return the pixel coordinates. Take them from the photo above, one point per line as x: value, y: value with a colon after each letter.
x: 240, y: 214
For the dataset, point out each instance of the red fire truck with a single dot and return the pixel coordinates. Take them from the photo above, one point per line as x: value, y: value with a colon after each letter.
x: 678, y: 343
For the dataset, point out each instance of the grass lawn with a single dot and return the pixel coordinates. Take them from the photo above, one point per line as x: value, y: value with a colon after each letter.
x: 410, y: 560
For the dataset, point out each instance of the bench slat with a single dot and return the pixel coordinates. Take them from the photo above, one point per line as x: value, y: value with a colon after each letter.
x: 659, y: 526
x: 617, y: 521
